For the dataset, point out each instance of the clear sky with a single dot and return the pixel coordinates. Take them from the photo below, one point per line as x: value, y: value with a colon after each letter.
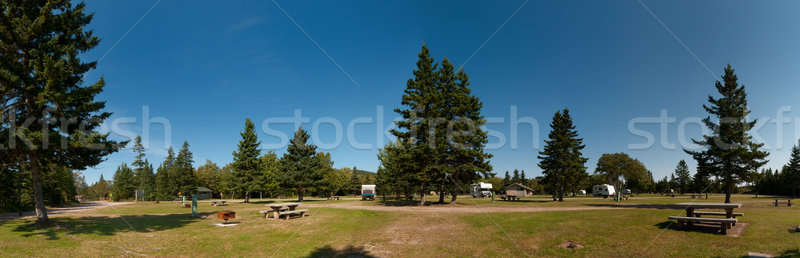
x: 204, y: 66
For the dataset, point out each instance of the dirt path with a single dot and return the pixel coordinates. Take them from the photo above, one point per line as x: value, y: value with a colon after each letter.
x: 454, y: 208
x: 60, y: 211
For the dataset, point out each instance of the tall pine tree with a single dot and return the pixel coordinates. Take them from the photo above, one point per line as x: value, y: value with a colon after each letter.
x: 793, y: 169
x: 729, y: 152
x: 415, y: 131
x: 246, y: 163
x: 300, y: 164
x: 42, y: 80
x: 683, y: 177
x: 183, y: 171
x: 562, y: 162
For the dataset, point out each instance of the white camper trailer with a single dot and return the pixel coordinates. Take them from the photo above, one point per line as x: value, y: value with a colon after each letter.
x: 604, y: 190
x: 482, y: 190
x: 367, y: 192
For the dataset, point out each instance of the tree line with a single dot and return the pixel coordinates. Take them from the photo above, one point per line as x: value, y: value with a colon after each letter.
x: 301, y: 171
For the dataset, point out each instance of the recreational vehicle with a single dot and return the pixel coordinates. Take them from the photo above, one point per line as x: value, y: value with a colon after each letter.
x: 367, y: 192
x: 481, y: 190
x: 604, y: 190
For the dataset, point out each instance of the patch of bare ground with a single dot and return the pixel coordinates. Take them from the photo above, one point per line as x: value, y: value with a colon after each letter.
x: 424, y: 235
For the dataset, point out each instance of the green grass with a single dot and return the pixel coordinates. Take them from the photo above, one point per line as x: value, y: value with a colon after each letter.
x: 636, y: 233
x: 167, y: 230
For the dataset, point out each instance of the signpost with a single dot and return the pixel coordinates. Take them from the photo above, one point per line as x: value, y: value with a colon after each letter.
x: 194, y: 205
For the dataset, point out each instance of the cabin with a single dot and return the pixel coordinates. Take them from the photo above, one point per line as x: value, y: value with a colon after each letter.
x: 203, y: 193
x: 518, y: 190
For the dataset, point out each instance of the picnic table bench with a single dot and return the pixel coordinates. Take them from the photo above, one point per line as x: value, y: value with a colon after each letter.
x: 693, y: 216
x: 219, y: 203
x: 788, y: 201
x: 509, y: 198
x: 287, y: 210
x: 333, y: 198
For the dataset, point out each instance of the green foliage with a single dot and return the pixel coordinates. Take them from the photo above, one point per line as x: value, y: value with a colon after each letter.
x: 41, y: 75
x: 683, y: 177
x: 300, y: 164
x: 183, y: 171
x: 440, y: 130
x: 124, y: 184
x: 729, y: 152
x: 247, y: 171
x: 166, y: 186
x: 616, y: 165
x: 562, y: 162
x: 143, y: 171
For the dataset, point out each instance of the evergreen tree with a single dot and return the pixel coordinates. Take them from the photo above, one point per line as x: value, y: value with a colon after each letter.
x: 729, y: 152
x: 522, y: 178
x: 183, y: 170
x: 270, y: 171
x: 793, y: 169
x: 41, y: 76
x: 515, y: 178
x: 414, y: 131
x: 143, y: 171
x: 683, y: 177
x: 166, y: 188
x: 355, y: 184
x: 300, y: 165
x: 124, y: 184
x: 562, y: 162
x: 246, y: 164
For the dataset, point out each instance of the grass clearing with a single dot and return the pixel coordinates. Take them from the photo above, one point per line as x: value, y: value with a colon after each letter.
x: 167, y: 230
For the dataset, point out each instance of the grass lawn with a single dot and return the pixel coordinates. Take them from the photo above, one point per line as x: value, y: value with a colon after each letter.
x: 166, y: 230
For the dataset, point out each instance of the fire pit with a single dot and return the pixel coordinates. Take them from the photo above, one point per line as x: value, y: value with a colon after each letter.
x: 226, y: 215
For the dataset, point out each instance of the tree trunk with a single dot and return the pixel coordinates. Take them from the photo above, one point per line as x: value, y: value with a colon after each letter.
x: 441, y: 196
x: 453, y: 201
x: 38, y: 196
x: 246, y: 197
x: 300, y: 194
x: 728, y: 190
x: 422, y: 195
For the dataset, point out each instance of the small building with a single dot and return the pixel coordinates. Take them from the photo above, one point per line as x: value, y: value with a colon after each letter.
x: 518, y: 190
x: 203, y: 193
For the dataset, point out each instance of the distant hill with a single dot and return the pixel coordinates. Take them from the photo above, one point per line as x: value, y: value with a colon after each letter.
x: 365, y: 173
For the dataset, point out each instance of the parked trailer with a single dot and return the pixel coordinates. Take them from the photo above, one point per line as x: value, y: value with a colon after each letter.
x: 604, y: 190
x: 481, y: 190
x: 367, y: 192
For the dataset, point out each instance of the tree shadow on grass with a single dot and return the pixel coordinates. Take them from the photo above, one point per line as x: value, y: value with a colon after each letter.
x: 703, y: 228
x: 106, y: 226
x: 639, y: 206
x: 790, y: 253
x: 349, y: 251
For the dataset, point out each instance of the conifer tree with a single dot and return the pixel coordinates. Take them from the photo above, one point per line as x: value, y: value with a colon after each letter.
x: 562, y: 162
x: 300, y: 164
x: 729, y: 152
x: 270, y: 172
x: 165, y: 183
x: 355, y: 184
x: 42, y: 79
x: 793, y: 169
x: 183, y: 169
x: 414, y: 131
x: 683, y: 177
x: 124, y: 184
x: 246, y: 163
x: 142, y: 169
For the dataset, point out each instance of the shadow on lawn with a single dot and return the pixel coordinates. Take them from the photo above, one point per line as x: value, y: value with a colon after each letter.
x: 106, y: 226
x: 639, y: 206
x: 710, y: 229
x: 349, y: 251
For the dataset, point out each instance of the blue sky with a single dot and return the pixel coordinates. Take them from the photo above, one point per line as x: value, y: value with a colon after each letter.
x: 205, y: 66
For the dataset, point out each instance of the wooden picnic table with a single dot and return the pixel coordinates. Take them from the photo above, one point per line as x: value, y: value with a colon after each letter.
x: 694, y: 217
x: 277, y: 208
x: 691, y: 206
x: 788, y: 201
